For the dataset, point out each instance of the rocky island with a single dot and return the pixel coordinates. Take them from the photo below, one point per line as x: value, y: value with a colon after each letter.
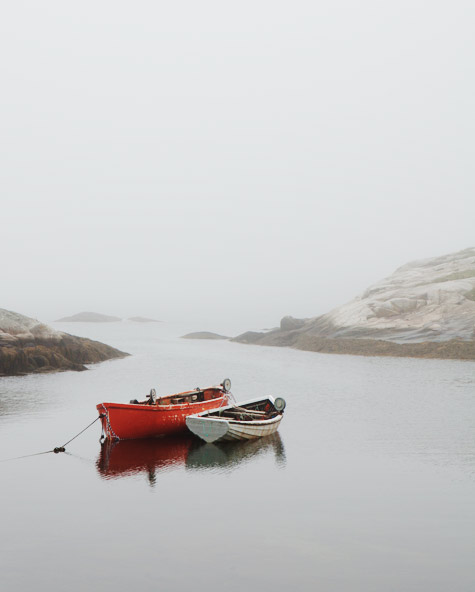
x: 28, y: 346
x: 143, y: 320
x: 89, y: 317
x: 204, y: 335
x: 424, y: 309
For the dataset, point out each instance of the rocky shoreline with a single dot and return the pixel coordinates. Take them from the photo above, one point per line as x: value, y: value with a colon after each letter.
x: 71, y: 353
x: 28, y: 346
x: 454, y: 349
x: 425, y: 309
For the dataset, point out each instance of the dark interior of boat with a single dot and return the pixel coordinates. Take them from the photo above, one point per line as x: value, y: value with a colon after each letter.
x: 259, y: 410
x: 195, y: 396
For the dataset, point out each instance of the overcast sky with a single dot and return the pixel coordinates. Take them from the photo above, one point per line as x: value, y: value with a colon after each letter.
x: 212, y: 160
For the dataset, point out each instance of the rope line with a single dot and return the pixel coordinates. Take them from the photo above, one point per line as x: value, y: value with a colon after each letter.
x: 55, y: 450
x: 93, y: 422
x: 26, y: 456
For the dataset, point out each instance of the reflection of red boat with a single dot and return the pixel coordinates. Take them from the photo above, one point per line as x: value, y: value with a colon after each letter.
x: 133, y: 457
x: 159, y: 416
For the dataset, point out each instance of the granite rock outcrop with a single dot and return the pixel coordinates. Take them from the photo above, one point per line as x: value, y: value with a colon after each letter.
x: 428, y: 300
x: 424, y: 309
x: 29, y: 346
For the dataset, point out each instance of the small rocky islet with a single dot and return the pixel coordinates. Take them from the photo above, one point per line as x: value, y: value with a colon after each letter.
x: 89, y: 317
x: 143, y: 320
x: 28, y: 346
x: 204, y: 335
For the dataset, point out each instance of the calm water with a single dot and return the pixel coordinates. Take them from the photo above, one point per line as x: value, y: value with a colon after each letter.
x: 369, y: 486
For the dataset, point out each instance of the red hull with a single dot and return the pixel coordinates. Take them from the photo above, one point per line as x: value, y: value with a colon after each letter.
x: 130, y: 421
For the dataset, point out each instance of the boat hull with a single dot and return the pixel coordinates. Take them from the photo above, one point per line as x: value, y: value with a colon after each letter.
x: 128, y: 421
x: 219, y: 430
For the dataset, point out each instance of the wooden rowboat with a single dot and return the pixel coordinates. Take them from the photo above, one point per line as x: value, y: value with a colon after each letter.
x: 253, y: 419
x: 159, y: 416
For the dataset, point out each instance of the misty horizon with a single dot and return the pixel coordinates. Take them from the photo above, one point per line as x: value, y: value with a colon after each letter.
x: 213, y: 164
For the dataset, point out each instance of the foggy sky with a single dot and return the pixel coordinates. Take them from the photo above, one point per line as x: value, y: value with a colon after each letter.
x: 213, y: 160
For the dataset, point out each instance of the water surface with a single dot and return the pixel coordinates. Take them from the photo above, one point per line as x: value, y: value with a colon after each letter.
x: 369, y: 484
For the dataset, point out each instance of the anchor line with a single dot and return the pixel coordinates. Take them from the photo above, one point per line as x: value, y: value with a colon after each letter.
x: 87, y: 427
x: 57, y: 449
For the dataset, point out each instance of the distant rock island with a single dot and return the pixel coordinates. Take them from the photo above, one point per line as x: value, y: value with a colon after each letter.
x: 424, y: 309
x: 143, y: 320
x: 28, y: 346
x: 89, y: 317
x: 204, y: 335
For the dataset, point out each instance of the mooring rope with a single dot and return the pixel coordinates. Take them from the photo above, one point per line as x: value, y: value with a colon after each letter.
x: 55, y: 450
x: 92, y: 422
x: 26, y: 456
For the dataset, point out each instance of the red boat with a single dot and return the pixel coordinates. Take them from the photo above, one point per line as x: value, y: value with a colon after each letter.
x: 159, y: 416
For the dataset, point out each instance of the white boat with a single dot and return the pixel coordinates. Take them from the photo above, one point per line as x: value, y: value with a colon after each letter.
x: 252, y: 419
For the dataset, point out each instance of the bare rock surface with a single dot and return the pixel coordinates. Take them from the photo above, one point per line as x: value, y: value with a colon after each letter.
x: 424, y: 309
x: 29, y: 346
x: 428, y: 300
x: 290, y: 323
x: 14, y: 327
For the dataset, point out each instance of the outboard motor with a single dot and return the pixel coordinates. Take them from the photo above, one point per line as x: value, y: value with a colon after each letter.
x: 152, y: 397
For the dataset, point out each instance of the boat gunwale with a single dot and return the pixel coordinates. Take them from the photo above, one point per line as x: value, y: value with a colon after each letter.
x: 228, y: 420
x: 141, y: 406
x: 146, y: 407
x: 203, y: 414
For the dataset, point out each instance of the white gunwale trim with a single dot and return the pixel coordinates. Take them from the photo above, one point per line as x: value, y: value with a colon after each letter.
x: 238, y: 404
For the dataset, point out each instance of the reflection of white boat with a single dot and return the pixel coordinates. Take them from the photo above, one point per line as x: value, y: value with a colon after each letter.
x: 253, y: 419
x: 230, y: 455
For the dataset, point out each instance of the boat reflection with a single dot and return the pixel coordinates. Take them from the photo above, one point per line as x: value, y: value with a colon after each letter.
x: 151, y: 456
x: 228, y: 455
x: 130, y: 457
